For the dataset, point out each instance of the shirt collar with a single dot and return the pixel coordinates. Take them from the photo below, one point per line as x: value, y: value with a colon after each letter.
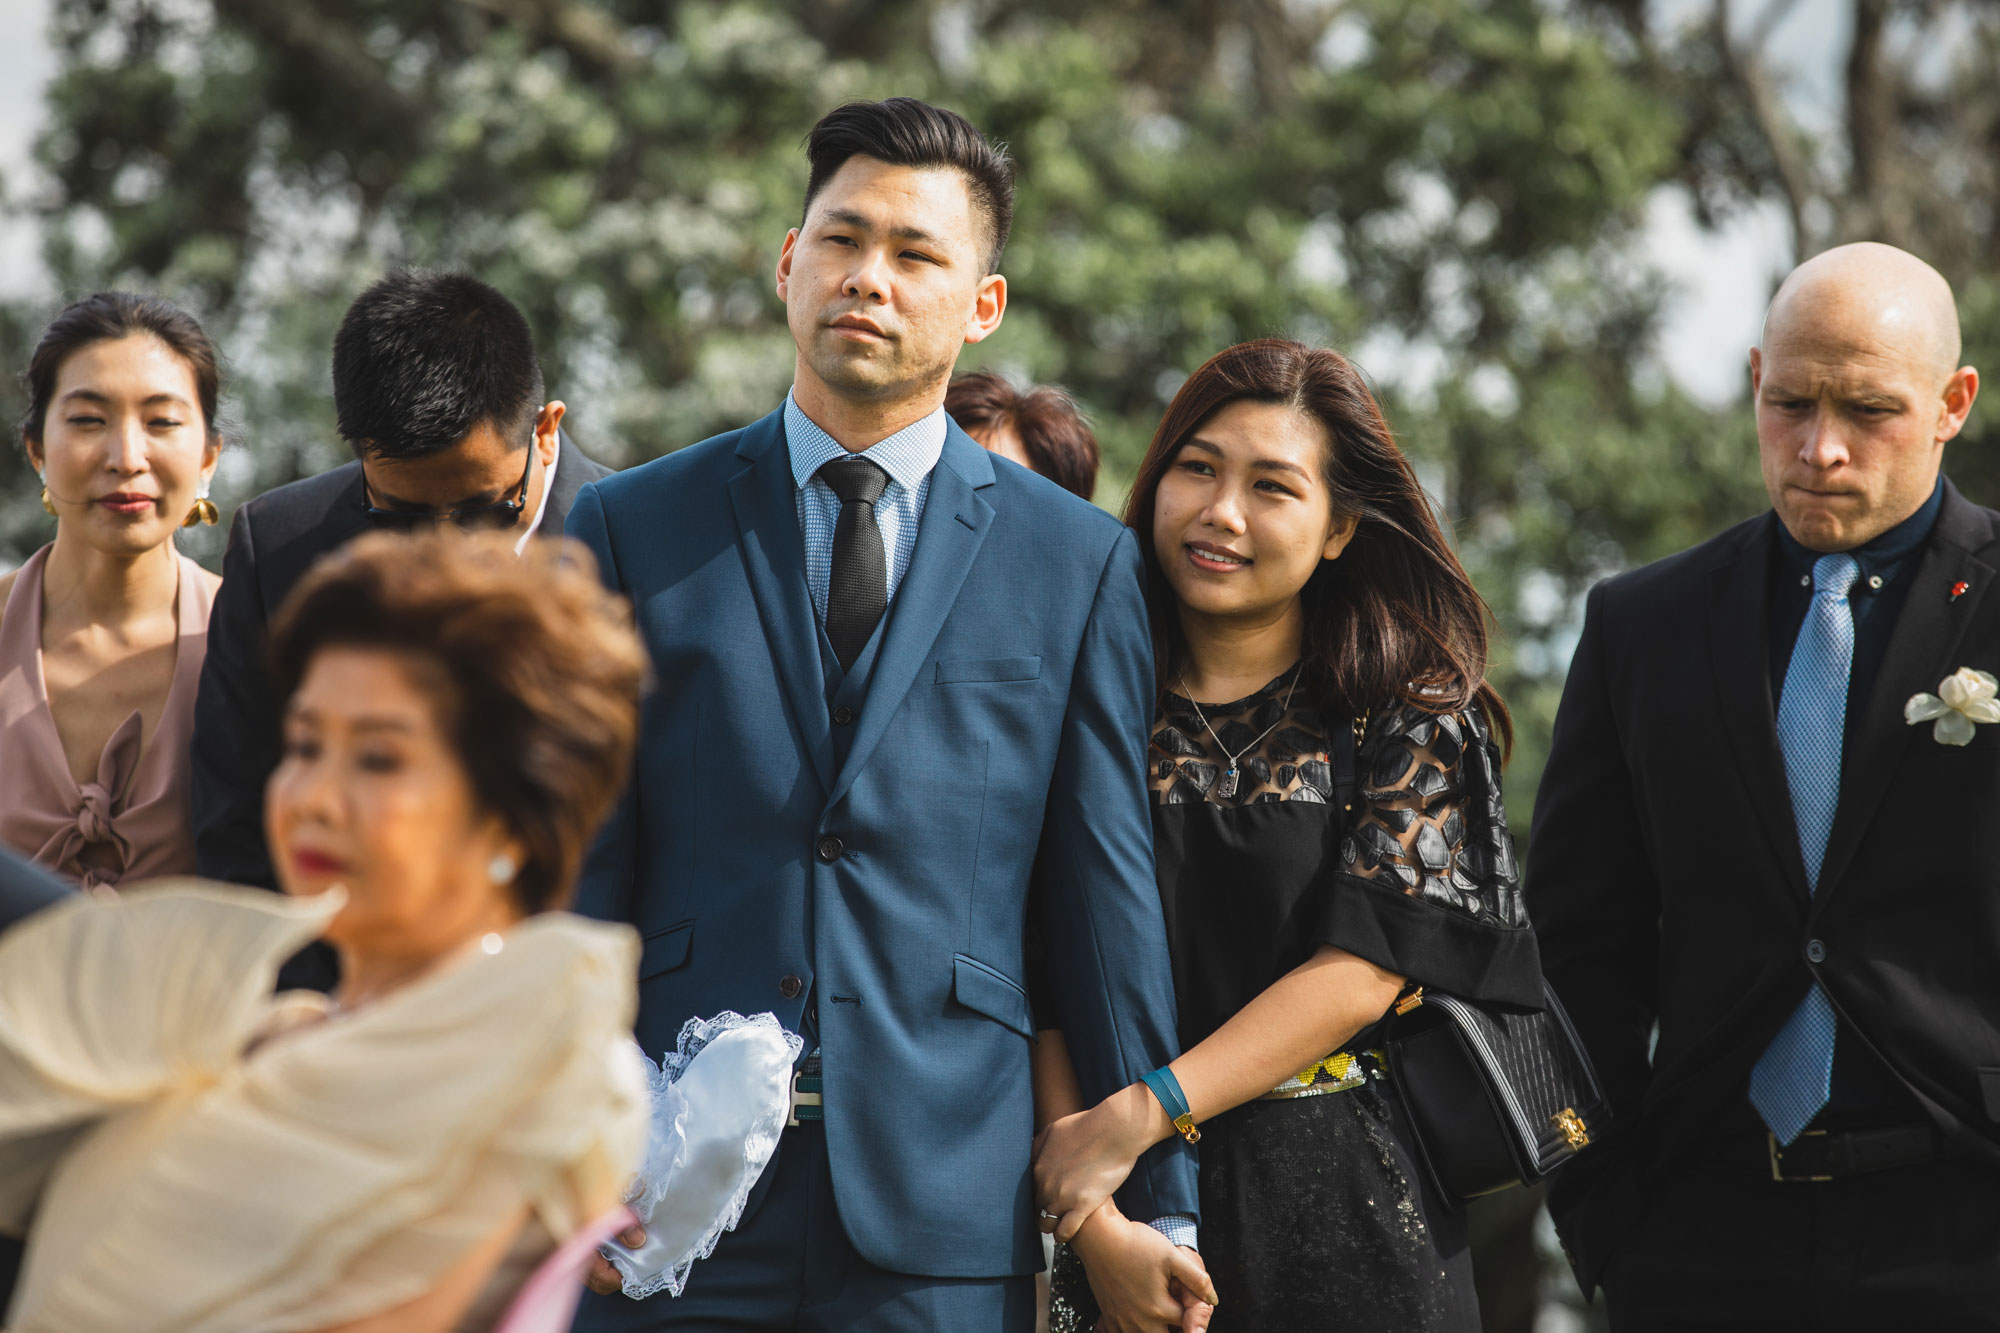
x: 907, y: 456
x: 1884, y: 556
x: 548, y: 489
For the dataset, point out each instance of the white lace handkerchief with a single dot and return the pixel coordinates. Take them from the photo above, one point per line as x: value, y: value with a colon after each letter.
x: 719, y: 1104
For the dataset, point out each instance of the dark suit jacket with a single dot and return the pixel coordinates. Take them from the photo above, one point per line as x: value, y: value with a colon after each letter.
x: 275, y: 538
x: 1665, y: 880
x: 25, y: 889
x: 1004, y: 729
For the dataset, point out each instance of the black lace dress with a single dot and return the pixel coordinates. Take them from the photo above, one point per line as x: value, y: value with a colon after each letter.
x: 1315, y: 1212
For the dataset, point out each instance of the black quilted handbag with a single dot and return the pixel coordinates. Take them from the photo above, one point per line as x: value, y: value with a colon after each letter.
x: 1498, y: 1097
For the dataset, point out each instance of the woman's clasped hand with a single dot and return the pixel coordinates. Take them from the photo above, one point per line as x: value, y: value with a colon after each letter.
x: 1142, y: 1280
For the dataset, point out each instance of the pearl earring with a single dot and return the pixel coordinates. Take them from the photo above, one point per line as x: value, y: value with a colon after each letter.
x: 502, y: 869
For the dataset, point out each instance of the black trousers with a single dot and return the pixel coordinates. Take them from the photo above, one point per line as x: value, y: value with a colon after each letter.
x: 1916, y: 1248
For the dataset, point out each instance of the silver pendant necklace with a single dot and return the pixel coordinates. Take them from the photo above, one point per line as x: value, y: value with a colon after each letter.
x: 1226, y: 789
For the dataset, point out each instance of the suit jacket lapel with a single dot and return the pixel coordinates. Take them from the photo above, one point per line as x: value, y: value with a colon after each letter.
x: 573, y: 473
x: 1922, y: 650
x: 954, y: 526
x: 1739, y: 638
x: 767, y: 522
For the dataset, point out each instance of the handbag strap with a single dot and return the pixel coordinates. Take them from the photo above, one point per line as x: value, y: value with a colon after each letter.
x: 1345, y: 747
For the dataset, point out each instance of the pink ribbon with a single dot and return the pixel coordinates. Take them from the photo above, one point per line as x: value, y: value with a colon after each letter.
x: 98, y: 804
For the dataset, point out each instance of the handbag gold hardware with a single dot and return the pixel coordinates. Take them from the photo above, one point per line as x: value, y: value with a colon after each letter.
x: 1573, y: 1130
x: 1410, y: 1001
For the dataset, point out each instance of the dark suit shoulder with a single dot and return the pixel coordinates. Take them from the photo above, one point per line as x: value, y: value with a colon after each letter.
x: 1684, y: 571
x: 293, y: 525
x: 712, y: 460
x: 300, y: 505
x: 1070, y: 517
x: 1970, y: 527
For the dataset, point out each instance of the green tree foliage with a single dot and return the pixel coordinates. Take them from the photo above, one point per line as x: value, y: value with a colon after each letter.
x: 1449, y: 190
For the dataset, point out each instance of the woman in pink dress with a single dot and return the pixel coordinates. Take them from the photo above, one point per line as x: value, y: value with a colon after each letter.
x: 102, y: 631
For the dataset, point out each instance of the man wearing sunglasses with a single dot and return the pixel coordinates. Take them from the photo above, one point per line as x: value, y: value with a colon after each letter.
x: 437, y: 389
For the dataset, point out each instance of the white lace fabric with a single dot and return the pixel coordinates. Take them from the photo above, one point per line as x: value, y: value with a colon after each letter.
x: 720, y: 1102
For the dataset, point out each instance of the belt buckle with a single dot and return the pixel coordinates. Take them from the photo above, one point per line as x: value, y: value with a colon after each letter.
x: 1778, y: 1159
x: 805, y: 1098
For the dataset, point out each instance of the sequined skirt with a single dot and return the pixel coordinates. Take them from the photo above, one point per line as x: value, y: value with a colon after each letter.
x: 1315, y: 1218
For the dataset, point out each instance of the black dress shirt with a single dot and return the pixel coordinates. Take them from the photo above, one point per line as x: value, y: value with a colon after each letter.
x: 1864, y: 1091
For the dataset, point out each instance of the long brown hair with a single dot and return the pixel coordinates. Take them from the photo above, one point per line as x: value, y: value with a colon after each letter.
x: 1395, y: 617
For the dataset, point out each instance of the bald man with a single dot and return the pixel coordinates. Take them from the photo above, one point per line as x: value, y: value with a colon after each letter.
x: 1770, y: 902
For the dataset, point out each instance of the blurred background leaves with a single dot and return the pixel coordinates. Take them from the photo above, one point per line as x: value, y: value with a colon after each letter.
x: 1455, y: 192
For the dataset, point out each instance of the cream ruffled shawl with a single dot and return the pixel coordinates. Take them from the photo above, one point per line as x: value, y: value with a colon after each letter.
x: 168, y: 1180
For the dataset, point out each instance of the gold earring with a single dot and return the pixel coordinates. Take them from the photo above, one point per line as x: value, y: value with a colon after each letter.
x: 46, y: 505
x: 204, y: 510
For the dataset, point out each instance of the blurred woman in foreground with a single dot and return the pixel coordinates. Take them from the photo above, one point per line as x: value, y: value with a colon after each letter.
x: 103, y: 631
x: 401, y: 1154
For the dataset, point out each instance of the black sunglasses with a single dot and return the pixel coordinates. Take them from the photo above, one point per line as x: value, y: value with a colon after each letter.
x: 495, y: 517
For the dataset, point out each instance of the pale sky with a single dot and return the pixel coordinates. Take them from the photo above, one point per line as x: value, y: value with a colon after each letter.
x: 1722, y: 279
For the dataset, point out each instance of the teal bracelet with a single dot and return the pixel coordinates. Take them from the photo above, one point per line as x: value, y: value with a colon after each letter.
x: 1173, y: 1101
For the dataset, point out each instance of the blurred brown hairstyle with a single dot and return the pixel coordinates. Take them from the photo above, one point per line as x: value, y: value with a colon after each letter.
x: 535, y: 669
x: 1395, y: 617
x: 1045, y: 419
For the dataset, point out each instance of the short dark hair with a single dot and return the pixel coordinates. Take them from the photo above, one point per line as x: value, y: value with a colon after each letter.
x: 424, y: 358
x: 106, y: 317
x: 1047, y: 421
x: 905, y: 132
x: 537, y: 681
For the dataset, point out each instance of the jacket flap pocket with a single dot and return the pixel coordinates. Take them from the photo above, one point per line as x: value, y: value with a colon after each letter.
x: 974, y: 670
x: 1989, y: 1091
x: 985, y: 991
x: 665, y: 949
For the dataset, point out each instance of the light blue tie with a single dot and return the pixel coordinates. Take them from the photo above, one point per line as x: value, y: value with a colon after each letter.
x: 1794, y: 1076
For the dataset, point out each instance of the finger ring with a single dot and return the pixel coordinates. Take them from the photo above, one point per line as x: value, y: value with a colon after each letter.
x: 1048, y: 1216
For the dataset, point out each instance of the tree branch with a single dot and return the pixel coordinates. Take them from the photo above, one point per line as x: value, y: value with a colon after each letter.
x: 1787, y: 144
x: 583, y: 30
x: 1871, y: 111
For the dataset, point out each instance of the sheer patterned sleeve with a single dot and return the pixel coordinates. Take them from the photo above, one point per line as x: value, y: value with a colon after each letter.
x: 1427, y: 884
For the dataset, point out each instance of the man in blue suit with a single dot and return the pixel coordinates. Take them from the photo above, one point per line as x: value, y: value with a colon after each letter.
x: 897, y: 680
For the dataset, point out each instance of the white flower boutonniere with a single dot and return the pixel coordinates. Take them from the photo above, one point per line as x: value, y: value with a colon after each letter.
x: 1964, y: 698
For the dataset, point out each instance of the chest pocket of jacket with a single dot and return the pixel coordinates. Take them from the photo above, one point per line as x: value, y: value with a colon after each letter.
x: 988, y: 670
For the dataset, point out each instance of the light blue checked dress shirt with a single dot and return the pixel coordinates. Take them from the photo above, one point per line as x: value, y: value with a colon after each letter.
x: 1794, y: 1077
x: 908, y: 457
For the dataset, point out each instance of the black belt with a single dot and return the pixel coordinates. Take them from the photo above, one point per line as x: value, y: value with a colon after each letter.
x: 1818, y: 1155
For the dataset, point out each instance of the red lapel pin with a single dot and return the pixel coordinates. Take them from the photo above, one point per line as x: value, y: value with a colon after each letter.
x: 1958, y: 590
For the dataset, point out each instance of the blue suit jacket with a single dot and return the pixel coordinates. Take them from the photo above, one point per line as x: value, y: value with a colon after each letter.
x: 1003, y: 735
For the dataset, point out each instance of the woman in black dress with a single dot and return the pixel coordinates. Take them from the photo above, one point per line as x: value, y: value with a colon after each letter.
x: 1329, y: 832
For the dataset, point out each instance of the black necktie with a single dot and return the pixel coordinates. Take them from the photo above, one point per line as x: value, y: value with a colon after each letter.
x: 859, y: 590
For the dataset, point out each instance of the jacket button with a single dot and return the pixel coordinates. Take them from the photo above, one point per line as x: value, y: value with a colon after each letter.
x: 789, y: 987
x: 842, y: 716
x: 1815, y: 952
x: 830, y: 848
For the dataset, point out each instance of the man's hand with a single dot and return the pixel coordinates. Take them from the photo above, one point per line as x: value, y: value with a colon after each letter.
x: 604, y: 1279
x: 1143, y: 1282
